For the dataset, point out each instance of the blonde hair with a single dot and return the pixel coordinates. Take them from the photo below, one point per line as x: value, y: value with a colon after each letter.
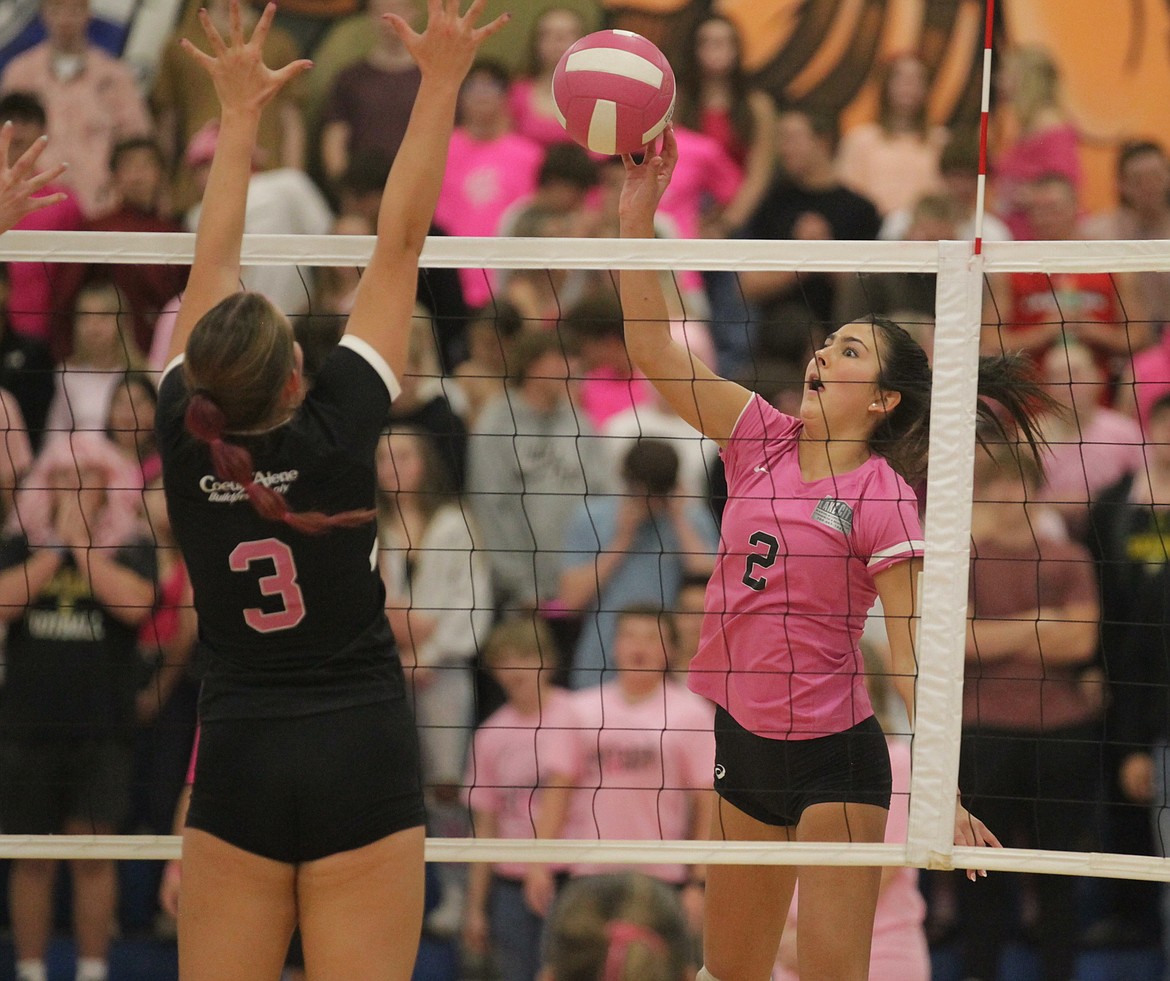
x: 529, y: 637
x: 624, y: 927
x: 1037, y: 82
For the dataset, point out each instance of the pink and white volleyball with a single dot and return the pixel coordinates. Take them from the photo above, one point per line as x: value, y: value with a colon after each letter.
x: 614, y: 91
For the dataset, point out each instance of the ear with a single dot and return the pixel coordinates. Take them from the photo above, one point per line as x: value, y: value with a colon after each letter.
x: 885, y: 402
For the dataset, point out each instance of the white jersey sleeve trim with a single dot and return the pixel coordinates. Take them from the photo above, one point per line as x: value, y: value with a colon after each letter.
x: 914, y: 546
x: 174, y: 364
x: 752, y: 396
x: 367, y: 351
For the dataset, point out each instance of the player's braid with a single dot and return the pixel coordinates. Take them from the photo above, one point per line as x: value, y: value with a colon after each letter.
x: 205, y: 420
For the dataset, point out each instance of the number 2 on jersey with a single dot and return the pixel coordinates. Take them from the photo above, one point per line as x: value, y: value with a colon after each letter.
x: 762, y: 560
x: 282, y: 583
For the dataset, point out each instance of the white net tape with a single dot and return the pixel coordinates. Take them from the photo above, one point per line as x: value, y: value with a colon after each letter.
x: 960, y: 283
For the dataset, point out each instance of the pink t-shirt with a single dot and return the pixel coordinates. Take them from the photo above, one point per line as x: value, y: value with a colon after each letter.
x: 643, y: 763
x: 32, y: 286
x: 899, y: 951
x: 1151, y: 377
x: 482, y: 180
x: 1051, y: 151
x: 528, y: 120
x: 1109, y: 447
x: 604, y: 394
x: 87, y: 115
x: 512, y: 755
x: 793, y: 582
x: 704, y: 172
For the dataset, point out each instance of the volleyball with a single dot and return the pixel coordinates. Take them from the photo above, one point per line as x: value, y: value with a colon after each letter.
x: 613, y: 91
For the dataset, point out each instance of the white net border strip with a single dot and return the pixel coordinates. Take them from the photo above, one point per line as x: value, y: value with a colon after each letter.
x: 944, y: 587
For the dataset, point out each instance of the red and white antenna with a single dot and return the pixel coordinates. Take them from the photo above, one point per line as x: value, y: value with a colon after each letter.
x: 981, y: 194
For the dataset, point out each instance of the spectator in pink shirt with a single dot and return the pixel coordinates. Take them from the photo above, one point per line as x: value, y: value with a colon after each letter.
x: 520, y: 777
x: 33, y: 285
x: 611, y: 384
x: 1091, y: 446
x: 489, y: 168
x: 647, y: 754
x: 1045, y: 141
x: 530, y: 97
x: 92, y: 100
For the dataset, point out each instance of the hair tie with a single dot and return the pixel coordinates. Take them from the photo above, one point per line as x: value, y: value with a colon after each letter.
x: 621, y: 934
x: 204, y: 393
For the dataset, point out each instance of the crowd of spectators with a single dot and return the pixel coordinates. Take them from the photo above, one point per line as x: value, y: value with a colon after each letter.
x: 547, y: 526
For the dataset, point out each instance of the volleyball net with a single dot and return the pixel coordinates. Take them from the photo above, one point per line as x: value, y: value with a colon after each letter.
x: 971, y: 313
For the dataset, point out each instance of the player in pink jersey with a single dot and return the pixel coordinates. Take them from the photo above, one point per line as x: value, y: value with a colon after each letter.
x: 819, y: 522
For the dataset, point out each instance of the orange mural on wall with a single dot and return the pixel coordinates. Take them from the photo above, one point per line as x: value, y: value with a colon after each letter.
x: 1114, y: 59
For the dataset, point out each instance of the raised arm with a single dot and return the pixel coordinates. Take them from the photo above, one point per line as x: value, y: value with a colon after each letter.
x: 385, y: 296
x: 244, y: 85
x: 22, y: 180
x: 709, y: 403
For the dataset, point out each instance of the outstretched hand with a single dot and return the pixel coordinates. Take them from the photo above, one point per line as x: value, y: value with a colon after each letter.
x: 969, y: 830
x: 647, y: 181
x: 448, y: 45
x: 22, y: 180
x: 242, y: 80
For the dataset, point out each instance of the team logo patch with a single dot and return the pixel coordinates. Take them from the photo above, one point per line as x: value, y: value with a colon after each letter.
x: 835, y: 514
x: 720, y: 773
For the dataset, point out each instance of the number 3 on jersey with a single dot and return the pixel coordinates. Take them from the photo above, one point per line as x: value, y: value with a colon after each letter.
x: 761, y: 560
x: 282, y: 583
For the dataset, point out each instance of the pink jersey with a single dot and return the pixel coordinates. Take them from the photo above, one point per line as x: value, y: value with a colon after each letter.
x: 483, y: 178
x: 644, y: 762
x: 604, y: 394
x: 528, y: 119
x: 512, y: 755
x: 793, y: 582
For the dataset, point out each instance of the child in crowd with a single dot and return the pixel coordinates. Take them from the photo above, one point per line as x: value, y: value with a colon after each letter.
x: 523, y: 763
x: 103, y: 351
x: 650, y: 755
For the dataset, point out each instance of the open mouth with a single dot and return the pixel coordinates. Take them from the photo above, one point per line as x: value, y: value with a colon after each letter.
x: 816, y: 385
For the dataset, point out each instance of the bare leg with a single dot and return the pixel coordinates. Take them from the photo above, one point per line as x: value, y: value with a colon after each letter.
x: 236, y: 912
x: 746, y: 905
x: 30, y: 893
x: 836, y: 905
x: 361, y: 911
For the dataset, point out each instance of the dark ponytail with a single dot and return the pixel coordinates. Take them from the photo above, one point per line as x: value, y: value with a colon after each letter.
x: 1010, y: 400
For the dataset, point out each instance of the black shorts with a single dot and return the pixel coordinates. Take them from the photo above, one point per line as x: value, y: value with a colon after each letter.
x: 45, y: 784
x: 299, y: 789
x: 774, y: 780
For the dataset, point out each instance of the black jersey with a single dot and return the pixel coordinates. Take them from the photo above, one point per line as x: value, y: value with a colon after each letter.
x: 289, y: 624
x: 72, y: 667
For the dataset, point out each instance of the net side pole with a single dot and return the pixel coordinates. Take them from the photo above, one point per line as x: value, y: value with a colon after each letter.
x: 943, y: 627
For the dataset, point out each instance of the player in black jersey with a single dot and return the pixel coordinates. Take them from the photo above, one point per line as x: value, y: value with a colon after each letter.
x: 306, y: 808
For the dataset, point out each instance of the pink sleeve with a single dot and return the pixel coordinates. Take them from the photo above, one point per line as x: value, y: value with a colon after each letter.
x: 194, y: 757
x: 888, y: 530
